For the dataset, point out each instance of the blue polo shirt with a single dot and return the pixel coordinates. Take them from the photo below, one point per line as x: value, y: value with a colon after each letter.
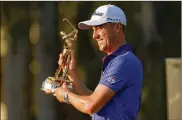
x: 122, y: 72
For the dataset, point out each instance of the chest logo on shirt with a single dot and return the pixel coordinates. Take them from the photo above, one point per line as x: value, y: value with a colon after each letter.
x: 111, y: 79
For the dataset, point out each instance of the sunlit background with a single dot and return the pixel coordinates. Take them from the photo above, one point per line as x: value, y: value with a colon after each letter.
x: 31, y: 44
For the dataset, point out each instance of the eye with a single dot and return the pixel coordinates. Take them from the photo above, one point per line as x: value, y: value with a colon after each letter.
x: 101, y: 26
x: 98, y: 27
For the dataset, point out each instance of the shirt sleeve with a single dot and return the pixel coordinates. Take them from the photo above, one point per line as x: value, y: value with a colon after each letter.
x: 113, y: 77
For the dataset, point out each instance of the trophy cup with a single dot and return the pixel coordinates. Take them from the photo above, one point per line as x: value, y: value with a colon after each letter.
x: 61, y: 72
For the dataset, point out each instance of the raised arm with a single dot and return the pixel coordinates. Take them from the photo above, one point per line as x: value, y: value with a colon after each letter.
x: 78, y: 84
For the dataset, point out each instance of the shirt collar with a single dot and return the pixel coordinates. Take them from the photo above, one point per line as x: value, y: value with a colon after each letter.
x: 121, y: 50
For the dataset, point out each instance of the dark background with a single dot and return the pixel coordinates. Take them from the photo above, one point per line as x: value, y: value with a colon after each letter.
x: 31, y: 44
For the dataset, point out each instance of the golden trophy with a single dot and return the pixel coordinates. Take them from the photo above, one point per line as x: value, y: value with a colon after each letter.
x: 61, y: 73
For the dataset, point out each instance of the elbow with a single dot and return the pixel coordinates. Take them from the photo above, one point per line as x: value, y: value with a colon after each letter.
x: 89, y: 109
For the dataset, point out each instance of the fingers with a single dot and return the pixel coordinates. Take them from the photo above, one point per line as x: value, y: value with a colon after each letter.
x: 60, y: 59
x: 72, y: 64
x: 54, y: 91
x: 48, y: 91
x: 75, y: 36
x: 73, y: 56
x: 54, y: 94
x: 64, y: 85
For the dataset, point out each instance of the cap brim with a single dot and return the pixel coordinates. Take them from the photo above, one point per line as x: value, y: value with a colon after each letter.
x: 89, y: 23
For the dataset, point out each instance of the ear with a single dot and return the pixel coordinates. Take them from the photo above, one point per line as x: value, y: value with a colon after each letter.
x: 118, y: 27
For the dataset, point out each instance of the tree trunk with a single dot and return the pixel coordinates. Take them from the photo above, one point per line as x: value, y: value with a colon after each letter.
x: 16, y: 74
x: 47, y: 58
x: 154, y: 65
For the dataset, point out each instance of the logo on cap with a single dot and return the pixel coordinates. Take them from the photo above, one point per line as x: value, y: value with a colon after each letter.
x: 98, y: 13
x: 113, y: 19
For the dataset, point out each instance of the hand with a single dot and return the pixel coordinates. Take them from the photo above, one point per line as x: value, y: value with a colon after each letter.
x: 72, y: 64
x: 59, y: 92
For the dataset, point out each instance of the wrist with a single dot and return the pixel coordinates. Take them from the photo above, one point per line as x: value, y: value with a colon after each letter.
x: 72, y: 75
x: 66, y: 98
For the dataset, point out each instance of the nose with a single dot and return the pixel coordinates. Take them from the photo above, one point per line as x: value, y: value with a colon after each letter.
x: 95, y: 35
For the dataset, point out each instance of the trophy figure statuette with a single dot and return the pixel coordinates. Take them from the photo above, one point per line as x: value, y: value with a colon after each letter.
x: 61, y: 72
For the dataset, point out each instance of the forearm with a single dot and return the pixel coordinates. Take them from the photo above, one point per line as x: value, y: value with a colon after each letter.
x: 79, y: 86
x: 82, y: 103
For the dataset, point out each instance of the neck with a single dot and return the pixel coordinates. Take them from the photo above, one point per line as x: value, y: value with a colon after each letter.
x: 116, y: 46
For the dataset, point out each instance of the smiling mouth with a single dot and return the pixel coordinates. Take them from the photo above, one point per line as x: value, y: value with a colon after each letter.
x: 99, y: 42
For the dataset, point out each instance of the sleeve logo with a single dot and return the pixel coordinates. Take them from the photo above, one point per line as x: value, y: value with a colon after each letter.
x: 111, y: 79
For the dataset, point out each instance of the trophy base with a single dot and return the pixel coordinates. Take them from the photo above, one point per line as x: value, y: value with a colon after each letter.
x: 50, y: 84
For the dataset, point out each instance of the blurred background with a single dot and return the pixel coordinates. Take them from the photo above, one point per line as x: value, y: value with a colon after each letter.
x: 31, y: 44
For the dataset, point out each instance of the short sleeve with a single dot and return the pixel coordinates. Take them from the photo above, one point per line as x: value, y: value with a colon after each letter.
x: 113, y: 77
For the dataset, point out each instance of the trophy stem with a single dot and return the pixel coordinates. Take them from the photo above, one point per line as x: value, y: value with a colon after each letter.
x: 57, y: 80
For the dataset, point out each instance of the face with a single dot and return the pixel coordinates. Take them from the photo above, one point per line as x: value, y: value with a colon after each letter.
x: 105, y: 35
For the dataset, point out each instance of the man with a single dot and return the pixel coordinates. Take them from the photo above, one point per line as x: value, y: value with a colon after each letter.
x: 118, y: 94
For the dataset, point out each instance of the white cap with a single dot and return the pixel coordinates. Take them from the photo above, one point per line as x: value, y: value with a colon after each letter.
x: 104, y: 14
